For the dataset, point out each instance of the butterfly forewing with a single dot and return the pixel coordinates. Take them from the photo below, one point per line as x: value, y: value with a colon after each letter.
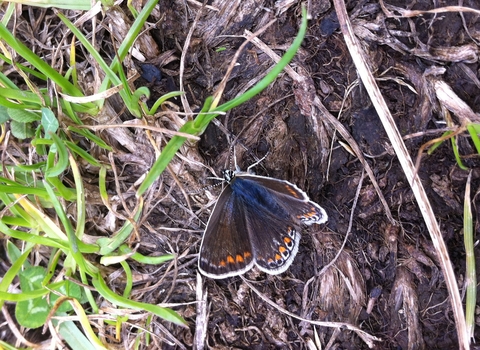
x: 226, y: 249
x: 291, y: 198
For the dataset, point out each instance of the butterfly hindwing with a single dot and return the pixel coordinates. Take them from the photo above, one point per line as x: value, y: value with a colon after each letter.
x: 272, y: 229
x: 275, y: 240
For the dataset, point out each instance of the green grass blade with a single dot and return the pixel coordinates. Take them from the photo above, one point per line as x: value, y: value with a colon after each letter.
x: 73, y: 336
x: 150, y: 260
x: 32, y: 238
x: 272, y: 75
x: 62, y: 161
x: 37, y: 293
x: 474, y: 131
x: 90, y: 136
x: 82, y: 153
x: 37, y: 62
x: 165, y: 313
x: 162, y: 99
x: 130, y: 38
x: 109, y: 244
x: 125, y: 93
x: 82, y: 5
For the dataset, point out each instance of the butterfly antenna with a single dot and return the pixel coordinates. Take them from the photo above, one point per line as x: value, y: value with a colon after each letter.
x: 232, y: 158
x: 220, y: 180
x: 237, y: 168
x: 257, y: 162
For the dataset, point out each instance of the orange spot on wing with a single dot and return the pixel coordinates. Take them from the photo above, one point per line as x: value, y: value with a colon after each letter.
x: 310, y: 214
x: 292, y: 191
x: 230, y: 259
x: 282, y: 249
x: 246, y: 255
x: 287, y: 240
x: 239, y: 258
x: 278, y: 257
x: 223, y: 263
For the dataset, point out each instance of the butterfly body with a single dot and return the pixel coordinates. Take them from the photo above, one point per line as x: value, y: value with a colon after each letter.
x: 257, y: 221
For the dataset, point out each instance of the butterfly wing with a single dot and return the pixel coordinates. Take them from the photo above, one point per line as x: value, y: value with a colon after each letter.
x: 274, y: 237
x: 226, y: 249
x: 275, y: 210
x: 291, y: 198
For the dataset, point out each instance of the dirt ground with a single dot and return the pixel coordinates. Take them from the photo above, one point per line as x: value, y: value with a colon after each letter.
x: 386, y: 280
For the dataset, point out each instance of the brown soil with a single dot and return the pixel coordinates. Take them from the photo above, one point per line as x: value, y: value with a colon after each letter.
x: 387, y: 280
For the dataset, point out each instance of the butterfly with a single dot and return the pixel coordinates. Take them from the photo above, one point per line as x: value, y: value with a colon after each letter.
x: 256, y: 221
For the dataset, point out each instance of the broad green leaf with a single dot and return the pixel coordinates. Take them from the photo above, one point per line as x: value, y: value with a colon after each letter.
x: 32, y: 313
x: 14, y: 253
x: 21, y: 130
x: 22, y: 116
x: 69, y: 289
x: 3, y: 115
x: 49, y: 122
x: 31, y: 278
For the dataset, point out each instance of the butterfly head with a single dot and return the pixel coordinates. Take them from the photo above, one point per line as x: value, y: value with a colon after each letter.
x: 228, y: 175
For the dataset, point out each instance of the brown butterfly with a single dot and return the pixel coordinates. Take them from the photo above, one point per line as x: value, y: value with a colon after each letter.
x: 256, y: 221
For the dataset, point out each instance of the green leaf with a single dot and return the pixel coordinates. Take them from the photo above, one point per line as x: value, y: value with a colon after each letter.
x: 32, y: 313
x: 90, y: 136
x: 474, y: 130
x: 82, y: 5
x: 31, y: 278
x: 49, y: 122
x: 22, y: 116
x: 6, y: 346
x: 109, y: 244
x: 41, y: 149
x: 107, y: 293
x: 37, y: 62
x: 14, y: 253
x: 74, y: 336
x: 21, y: 130
x: 150, y: 260
x: 82, y: 153
x: 4, y: 117
x: 62, y: 161
x: 69, y: 289
x: 162, y: 99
